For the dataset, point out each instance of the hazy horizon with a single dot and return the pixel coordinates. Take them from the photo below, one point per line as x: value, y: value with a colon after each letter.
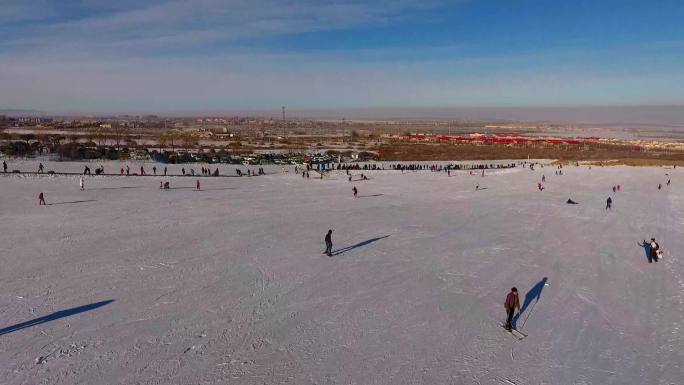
x: 622, y: 116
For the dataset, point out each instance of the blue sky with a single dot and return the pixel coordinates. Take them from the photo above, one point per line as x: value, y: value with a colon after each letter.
x: 225, y: 55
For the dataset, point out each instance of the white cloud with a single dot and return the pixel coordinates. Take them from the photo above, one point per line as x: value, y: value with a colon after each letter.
x: 184, y: 24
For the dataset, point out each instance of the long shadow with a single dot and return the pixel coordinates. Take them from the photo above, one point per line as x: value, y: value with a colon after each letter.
x: 647, y: 250
x: 73, y: 202
x: 360, y: 244
x: 54, y: 316
x: 370, y: 196
x: 533, y: 295
x: 180, y: 188
x: 217, y: 189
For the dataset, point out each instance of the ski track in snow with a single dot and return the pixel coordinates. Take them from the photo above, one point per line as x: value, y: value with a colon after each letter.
x: 228, y: 285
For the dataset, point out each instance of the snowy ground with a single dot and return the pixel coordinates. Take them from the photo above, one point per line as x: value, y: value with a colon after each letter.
x: 228, y: 285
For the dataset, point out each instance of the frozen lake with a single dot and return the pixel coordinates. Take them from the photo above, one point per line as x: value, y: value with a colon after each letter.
x: 124, y: 283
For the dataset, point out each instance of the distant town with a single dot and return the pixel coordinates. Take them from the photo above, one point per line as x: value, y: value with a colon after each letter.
x: 264, y: 140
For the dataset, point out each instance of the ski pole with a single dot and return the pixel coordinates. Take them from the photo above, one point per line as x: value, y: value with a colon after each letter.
x: 528, y: 314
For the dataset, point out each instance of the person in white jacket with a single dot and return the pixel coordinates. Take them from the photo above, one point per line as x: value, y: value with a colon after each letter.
x: 80, y: 183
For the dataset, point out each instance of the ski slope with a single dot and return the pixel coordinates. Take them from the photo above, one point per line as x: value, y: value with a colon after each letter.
x: 229, y: 285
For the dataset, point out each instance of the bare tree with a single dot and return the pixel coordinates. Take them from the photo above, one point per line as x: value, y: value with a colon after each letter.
x: 119, y: 132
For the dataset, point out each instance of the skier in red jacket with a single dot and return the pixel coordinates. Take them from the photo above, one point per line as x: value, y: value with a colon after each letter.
x: 512, y: 302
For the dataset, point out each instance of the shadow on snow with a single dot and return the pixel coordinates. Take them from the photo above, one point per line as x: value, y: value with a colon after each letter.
x: 360, y: 244
x: 54, y: 316
x: 533, y: 295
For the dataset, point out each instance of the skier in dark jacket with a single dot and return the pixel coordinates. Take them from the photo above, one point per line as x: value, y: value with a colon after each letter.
x: 609, y: 204
x: 41, y: 200
x: 356, y: 192
x: 512, y: 302
x: 328, y: 243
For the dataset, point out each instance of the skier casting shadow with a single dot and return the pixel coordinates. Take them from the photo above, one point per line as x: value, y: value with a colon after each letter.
x: 533, y: 295
x: 651, y: 254
x: 360, y: 244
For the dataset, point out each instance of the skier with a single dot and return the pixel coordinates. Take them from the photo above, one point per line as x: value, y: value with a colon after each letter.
x: 350, y: 178
x: 512, y: 302
x: 128, y: 170
x: 540, y: 187
x: 571, y: 202
x: 121, y: 174
x: 477, y: 186
x: 618, y: 187
x: 355, y: 191
x: 164, y: 171
x: 614, y: 188
x: 40, y: 168
x: 80, y: 183
x: 655, y: 250
x: 198, y: 184
x: 161, y: 185
x: 650, y: 250
x: 183, y: 170
x: 668, y: 182
x: 4, y: 166
x: 609, y: 203
x: 142, y: 170
x: 328, y: 243
x: 543, y: 178
x: 41, y: 200
x: 154, y: 169
x: 660, y: 186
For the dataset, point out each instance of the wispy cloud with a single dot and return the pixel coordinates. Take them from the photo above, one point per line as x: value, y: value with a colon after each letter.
x: 184, y: 24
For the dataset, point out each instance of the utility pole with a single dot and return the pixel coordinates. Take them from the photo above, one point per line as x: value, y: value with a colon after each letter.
x: 284, y: 133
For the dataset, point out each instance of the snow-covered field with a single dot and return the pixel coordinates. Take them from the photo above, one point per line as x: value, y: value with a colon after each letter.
x: 127, y: 284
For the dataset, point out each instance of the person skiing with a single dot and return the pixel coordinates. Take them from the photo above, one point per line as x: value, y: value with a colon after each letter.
x: 660, y: 186
x: 477, y: 186
x: 80, y: 183
x: 40, y: 168
x: 609, y: 203
x: 161, y: 185
x: 4, y: 166
x: 128, y: 170
x: 164, y: 171
x: 618, y: 188
x: 328, y: 243
x: 41, y: 199
x: 614, y: 188
x: 540, y: 187
x: 355, y: 191
x: 198, y: 185
x: 543, y: 178
x: 668, y: 182
x: 142, y: 170
x: 154, y: 169
x: 571, y: 202
x: 512, y: 302
x: 655, y: 250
